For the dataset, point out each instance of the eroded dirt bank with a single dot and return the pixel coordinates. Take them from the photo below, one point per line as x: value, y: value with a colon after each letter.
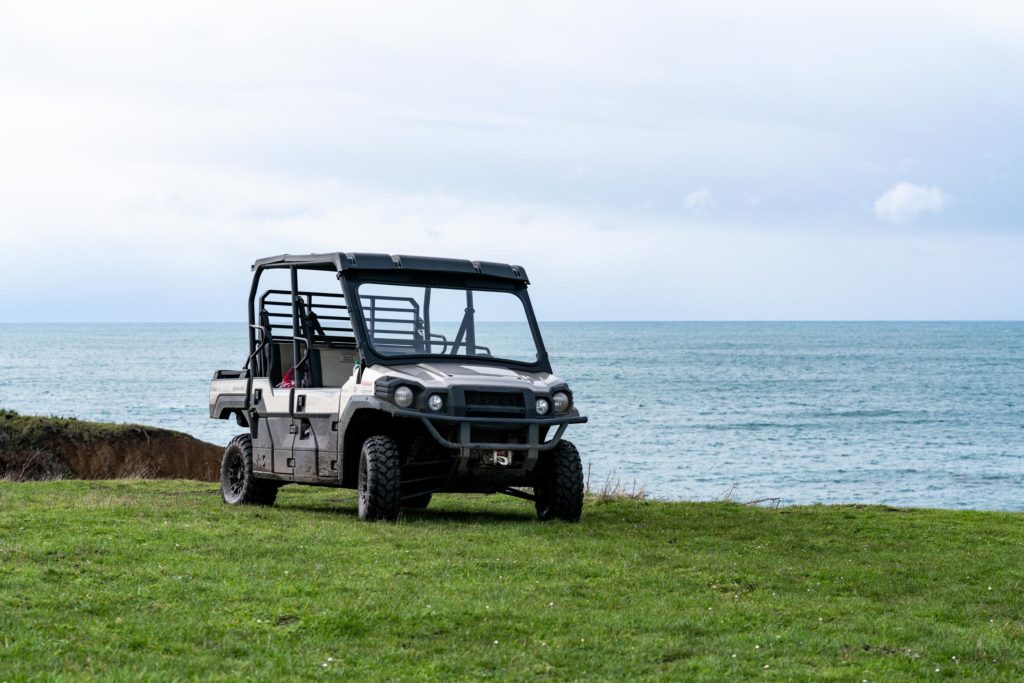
x: 47, y: 447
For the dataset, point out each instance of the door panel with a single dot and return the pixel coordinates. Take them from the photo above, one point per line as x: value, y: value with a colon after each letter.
x: 304, y: 449
x: 262, y: 447
x: 315, y: 445
x: 262, y: 438
x: 326, y: 431
x: 272, y: 448
x: 280, y: 427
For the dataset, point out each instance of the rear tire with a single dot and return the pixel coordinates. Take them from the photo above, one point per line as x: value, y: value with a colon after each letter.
x: 238, y: 485
x: 558, y: 486
x: 380, y: 481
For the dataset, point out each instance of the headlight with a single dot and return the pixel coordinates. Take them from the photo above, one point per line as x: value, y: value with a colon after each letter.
x: 543, y: 406
x: 435, y: 402
x: 403, y: 397
x: 561, y: 401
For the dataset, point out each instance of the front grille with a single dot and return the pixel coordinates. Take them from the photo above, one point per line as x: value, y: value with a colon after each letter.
x: 494, y: 399
x: 495, y: 403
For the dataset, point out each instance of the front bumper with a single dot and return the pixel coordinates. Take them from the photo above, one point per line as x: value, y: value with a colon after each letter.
x: 467, y: 475
x: 465, y: 443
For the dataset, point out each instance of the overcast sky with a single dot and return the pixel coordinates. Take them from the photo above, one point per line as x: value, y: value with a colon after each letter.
x: 718, y: 160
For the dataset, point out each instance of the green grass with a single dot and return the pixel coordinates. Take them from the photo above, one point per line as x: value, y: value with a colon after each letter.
x: 133, y: 580
x: 32, y: 430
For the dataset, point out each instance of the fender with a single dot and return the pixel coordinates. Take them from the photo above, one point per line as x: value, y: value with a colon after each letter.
x: 226, y: 404
x: 356, y: 404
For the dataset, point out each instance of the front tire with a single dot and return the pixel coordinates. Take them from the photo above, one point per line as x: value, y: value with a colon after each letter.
x: 238, y: 485
x: 558, y: 487
x: 380, y: 481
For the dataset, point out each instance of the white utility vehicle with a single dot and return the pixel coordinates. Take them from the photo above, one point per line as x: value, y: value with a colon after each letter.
x: 401, y: 377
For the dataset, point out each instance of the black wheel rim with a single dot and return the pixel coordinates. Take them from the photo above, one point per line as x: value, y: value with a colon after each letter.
x: 235, y: 472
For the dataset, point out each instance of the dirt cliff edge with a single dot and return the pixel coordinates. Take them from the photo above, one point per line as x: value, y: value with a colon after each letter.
x: 34, y: 448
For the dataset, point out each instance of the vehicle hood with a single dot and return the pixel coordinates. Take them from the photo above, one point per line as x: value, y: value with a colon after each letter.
x: 443, y: 375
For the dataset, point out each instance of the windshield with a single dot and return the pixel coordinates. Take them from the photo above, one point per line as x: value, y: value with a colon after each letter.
x: 417, y: 319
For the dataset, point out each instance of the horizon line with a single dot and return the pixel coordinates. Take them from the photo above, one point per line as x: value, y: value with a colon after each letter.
x: 552, y: 320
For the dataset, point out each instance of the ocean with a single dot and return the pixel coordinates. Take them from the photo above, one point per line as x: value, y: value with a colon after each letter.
x: 926, y: 414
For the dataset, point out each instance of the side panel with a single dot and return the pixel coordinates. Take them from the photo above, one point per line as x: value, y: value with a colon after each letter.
x: 280, y: 427
x: 272, y: 445
x: 326, y: 430
x: 262, y: 446
x: 262, y: 437
x: 315, y: 446
x: 304, y: 449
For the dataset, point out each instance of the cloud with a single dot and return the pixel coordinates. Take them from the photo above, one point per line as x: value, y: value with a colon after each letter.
x: 162, y: 140
x: 699, y: 201
x: 903, y: 202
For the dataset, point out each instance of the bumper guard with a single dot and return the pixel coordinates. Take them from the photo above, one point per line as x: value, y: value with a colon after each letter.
x: 534, y: 445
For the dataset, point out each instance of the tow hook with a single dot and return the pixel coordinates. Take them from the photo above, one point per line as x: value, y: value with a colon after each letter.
x: 497, y: 458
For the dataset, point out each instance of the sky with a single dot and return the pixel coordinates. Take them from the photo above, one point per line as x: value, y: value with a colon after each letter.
x: 644, y: 161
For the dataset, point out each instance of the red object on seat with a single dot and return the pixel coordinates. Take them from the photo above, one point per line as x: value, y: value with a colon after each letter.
x: 288, y: 381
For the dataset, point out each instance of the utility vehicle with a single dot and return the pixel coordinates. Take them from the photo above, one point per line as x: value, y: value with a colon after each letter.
x: 400, y: 377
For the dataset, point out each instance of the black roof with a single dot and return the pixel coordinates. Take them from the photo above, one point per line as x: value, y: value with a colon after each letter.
x: 385, y: 262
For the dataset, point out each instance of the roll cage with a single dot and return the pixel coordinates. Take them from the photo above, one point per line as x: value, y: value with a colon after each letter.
x: 326, y: 320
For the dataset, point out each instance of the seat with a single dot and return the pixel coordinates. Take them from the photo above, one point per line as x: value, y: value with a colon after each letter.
x: 270, y: 364
x: 309, y: 325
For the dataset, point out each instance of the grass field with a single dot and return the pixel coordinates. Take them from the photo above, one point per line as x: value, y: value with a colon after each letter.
x: 147, y: 580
